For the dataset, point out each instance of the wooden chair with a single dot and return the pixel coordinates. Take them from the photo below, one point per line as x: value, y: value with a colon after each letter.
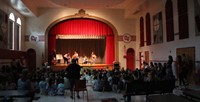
x: 80, y: 85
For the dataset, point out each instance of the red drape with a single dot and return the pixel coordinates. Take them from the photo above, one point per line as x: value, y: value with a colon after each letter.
x: 51, y: 44
x: 83, y: 26
x: 110, y: 52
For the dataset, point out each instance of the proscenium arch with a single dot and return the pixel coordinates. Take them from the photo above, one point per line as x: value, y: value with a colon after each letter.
x: 82, y: 15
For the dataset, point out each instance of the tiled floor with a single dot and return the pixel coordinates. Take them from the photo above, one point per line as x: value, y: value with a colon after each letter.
x: 98, y: 96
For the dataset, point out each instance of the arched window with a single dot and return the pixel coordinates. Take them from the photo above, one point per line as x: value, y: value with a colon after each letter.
x: 11, y: 31
x: 12, y: 17
x: 169, y: 21
x: 183, y: 19
x: 141, y: 31
x: 18, y: 34
x: 148, y: 29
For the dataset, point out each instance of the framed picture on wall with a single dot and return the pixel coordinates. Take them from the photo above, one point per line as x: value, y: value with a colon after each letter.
x: 157, y: 28
x: 3, y: 30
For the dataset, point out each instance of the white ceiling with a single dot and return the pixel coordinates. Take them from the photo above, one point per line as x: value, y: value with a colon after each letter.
x: 31, y: 7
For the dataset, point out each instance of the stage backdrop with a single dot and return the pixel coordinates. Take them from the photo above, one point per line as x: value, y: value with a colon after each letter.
x: 84, y: 27
x: 84, y: 47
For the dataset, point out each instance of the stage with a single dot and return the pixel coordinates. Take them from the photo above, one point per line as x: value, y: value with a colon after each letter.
x: 62, y: 66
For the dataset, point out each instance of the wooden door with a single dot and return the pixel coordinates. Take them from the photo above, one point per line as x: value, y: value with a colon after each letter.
x: 190, y: 54
x: 130, y: 59
x: 146, y: 56
x: 31, y: 59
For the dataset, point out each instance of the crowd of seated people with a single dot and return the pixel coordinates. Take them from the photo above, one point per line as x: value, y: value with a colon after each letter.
x: 8, y: 78
x: 45, y: 81
x: 114, y: 80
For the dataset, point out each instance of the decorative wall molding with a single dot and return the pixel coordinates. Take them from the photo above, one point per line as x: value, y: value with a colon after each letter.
x: 34, y: 38
x: 126, y: 38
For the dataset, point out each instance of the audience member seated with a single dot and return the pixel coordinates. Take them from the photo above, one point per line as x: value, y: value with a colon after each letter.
x: 24, y: 83
x: 10, y: 85
x: 35, y: 86
x: 88, y: 77
x: 115, y: 83
x: 97, y: 85
x: 148, y: 77
x: 66, y: 83
x: 42, y: 86
x: 61, y: 88
x: 106, y: 85
x: 51, y: 87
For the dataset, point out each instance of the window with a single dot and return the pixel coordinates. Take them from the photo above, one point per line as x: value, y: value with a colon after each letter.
x: 141, y: 32
x: 148, y: 29
x: 183, y: 19
x: 169, y: 21
x: 18, y: 34
x: 11, y: 31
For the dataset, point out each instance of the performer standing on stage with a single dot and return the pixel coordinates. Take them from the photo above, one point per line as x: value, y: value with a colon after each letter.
x: 93, y: 58
x: 67, y: 58
x: 53, y: 58
x: 75, y: 56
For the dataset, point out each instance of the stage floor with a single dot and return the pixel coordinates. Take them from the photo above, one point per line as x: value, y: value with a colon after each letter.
x: 62, y: 66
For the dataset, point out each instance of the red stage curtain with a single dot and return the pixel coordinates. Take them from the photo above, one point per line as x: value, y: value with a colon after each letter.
x: 110, y: 52
x: 51, y: 44
x: 81, y: 26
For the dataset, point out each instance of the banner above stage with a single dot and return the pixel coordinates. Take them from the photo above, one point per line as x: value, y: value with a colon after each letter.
x: 79, y: 37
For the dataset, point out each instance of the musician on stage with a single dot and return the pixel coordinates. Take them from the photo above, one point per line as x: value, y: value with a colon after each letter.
x: 53, y: 57
x: 93, y: 58
x: 75, y: 56
x: 67, y: 58
x: 85, y: 60
x: 54, y: 54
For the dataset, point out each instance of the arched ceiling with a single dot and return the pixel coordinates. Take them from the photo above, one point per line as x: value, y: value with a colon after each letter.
x: 88, y: 4
x: 31, y: 7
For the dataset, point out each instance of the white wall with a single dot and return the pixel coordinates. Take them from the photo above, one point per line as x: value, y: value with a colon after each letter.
x: 161, y: 51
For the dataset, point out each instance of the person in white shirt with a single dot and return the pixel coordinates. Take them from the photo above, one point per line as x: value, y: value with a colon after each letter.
x: 93, y: 58
x: 75, y: 56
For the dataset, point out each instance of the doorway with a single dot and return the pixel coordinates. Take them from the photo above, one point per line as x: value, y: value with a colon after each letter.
x: 146, y: 53
x: 130, y: 59
x: 190, y: 54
